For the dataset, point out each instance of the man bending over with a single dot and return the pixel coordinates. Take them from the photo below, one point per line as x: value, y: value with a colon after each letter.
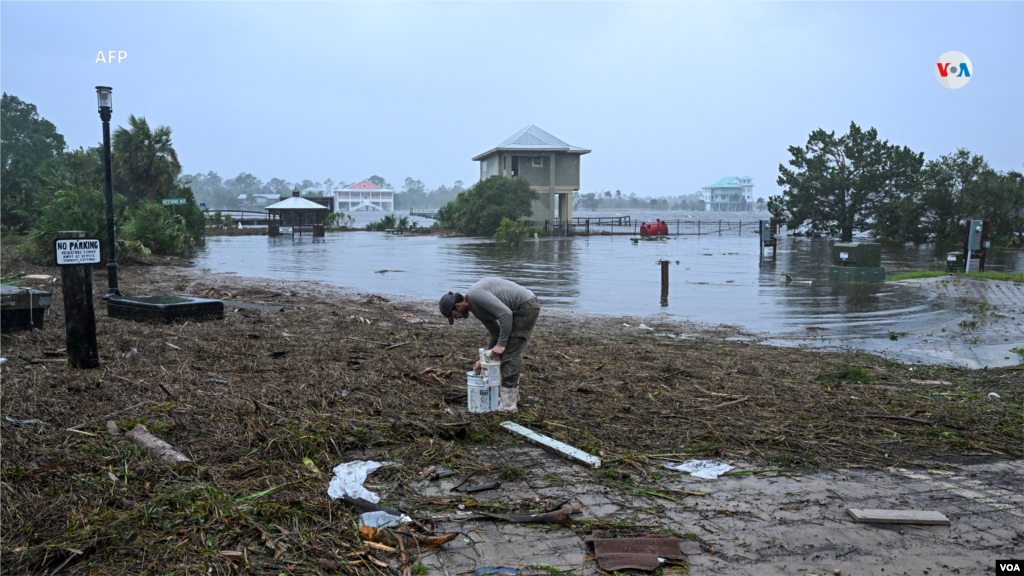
x: 509, y: 312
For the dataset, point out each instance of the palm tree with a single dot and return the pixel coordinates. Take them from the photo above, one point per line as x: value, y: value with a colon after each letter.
x: 144, y: 160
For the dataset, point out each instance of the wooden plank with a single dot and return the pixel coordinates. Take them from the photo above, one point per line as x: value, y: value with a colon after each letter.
x: 553, y: 445
x: 263, y: 307
x: 899, y: 516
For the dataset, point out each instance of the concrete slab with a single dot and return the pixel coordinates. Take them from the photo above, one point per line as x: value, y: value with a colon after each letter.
x: 890, y: 516
x: 758, y: 524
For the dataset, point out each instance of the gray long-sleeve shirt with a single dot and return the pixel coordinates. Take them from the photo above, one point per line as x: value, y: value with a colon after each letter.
x: 492, y: 301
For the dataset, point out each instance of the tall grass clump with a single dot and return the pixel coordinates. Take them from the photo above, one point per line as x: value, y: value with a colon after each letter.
x: 391, y: 222
x: 847, y: 373
x: 511, y: 232
x: 339, y: 220
x: 159, y: 231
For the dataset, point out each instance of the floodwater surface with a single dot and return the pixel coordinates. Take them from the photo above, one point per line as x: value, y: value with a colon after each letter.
x: 714, y: 279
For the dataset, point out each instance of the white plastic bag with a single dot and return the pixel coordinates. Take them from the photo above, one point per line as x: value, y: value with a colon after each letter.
x: 381, y: 519
x: 707, y: 469
x: 348, y: 481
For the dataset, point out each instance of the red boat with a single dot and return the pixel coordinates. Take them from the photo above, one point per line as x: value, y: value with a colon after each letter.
x: 658, y: 228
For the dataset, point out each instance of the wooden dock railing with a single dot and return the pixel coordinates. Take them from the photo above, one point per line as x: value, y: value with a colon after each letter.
x: 602, y: 226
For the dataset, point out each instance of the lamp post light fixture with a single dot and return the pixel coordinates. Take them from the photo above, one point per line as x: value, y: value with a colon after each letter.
x: 105, y: 101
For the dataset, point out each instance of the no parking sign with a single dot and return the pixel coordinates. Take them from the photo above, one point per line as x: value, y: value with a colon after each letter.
x: 77, y: 251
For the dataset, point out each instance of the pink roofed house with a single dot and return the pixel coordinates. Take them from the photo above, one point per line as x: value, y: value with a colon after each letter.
x: 364, y: 196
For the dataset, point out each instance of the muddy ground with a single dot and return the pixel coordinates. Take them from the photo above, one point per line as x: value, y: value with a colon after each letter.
x: 267, y: 403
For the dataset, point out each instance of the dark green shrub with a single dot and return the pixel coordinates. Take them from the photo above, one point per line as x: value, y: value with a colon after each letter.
x: 479, y: 210
x: 161, y: 232
x: 387, y: 222
x: 848, y: 374
x: 71, y: 208
x: 513, y: 232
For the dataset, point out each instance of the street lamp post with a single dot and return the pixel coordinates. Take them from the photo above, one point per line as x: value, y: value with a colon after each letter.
x: 105, y: 101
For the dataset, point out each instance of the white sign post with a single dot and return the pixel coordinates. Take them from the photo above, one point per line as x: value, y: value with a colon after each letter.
x: 77, y: 251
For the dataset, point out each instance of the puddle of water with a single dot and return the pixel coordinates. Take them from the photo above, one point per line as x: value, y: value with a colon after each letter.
x: 717, y: 280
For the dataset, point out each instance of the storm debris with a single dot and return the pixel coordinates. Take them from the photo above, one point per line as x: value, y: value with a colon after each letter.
x: 255, y: 420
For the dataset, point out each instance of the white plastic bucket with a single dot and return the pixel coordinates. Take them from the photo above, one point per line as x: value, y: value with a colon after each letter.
x: 494, y: 394
x: 491, y: 369
x: 478, y: 394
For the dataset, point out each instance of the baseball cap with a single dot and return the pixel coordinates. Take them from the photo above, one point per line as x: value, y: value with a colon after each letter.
x: 448, y: 304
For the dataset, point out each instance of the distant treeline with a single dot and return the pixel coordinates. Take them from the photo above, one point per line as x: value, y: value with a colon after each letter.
x: 414, y: 194
x: 217, y: 192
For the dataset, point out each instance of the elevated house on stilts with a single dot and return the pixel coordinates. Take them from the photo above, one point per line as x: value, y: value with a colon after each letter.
x: 551, y: 166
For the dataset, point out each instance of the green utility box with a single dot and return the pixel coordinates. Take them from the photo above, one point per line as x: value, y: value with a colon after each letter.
x: 857, y: 254
x: 856, y: 262
x: 955, y: 262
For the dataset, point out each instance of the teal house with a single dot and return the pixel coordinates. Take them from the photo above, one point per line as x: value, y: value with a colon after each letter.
x: 730, y: 194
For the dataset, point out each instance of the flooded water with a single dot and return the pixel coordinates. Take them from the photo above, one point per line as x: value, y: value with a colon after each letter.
x: 362, y: 218
x: 713, y: 279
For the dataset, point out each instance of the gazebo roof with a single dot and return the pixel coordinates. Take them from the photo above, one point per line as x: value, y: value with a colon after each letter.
x: 296, y: 203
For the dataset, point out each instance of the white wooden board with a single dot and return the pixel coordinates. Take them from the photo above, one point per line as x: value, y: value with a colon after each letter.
x: 899, y: 516
x: 554, y: 445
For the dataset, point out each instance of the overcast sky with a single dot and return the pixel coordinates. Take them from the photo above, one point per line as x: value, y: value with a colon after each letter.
x: 669, y: 96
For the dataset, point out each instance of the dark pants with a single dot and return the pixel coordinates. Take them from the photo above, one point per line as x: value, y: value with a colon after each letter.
x: 524, y: 319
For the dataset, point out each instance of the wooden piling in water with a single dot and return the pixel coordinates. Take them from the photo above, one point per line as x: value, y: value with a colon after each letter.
x: 664, y: 282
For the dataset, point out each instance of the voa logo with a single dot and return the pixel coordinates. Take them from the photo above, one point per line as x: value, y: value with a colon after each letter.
x: 953, y: 70
x: 1008, y: 567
